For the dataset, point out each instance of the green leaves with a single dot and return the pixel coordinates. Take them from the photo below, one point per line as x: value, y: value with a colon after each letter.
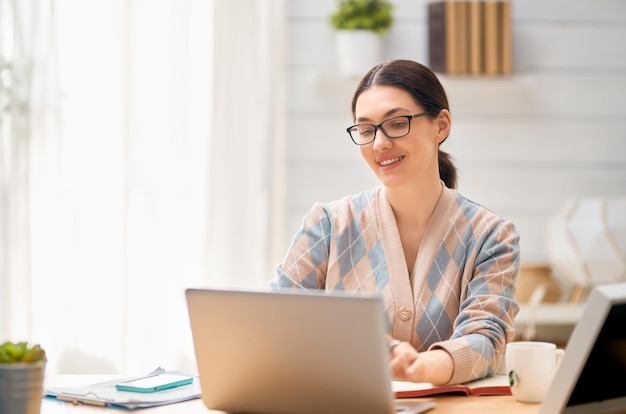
x: 372, y: 15
x: 21, y: 352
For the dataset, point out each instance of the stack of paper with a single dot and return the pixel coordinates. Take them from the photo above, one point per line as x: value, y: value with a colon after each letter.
x: 105, y: 393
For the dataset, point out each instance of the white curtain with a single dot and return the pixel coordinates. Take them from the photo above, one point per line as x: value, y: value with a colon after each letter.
x: 148, y: 166
x: 247, y: 133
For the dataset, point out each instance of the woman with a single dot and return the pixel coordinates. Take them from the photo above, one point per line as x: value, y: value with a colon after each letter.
x: 444, y: 265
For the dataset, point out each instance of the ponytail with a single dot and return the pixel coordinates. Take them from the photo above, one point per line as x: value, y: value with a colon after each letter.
x: 447, y: 170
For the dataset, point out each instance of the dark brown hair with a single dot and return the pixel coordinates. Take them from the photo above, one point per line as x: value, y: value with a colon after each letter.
x: 424, y: 86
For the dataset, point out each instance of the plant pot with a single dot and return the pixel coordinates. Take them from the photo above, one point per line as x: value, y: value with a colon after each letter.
x: 358, y: 51
x: 21, y: 387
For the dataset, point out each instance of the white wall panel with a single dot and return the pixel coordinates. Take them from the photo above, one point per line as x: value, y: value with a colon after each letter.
x: 539, y: 94
x: 553, y: 11
x: 315, y: 93
x: 550, y: 140
x: 320, y: 138
x: 311, y: 46
x: 569, y: 47
x: 408, y: 42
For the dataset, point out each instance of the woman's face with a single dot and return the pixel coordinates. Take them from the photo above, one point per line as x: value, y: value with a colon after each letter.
x: 403, y: 161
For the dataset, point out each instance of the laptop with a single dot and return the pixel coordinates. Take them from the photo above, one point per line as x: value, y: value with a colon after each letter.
x: 592, y: 375
x: 293, y: 352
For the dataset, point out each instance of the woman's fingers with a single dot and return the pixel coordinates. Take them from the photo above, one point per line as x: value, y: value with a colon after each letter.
x: 403, y: 355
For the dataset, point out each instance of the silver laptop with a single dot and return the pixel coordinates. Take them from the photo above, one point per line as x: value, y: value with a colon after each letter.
x: 296, y: 353
x: 592, y: 375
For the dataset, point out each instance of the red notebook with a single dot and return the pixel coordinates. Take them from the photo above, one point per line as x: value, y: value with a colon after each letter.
x: 495, y: 385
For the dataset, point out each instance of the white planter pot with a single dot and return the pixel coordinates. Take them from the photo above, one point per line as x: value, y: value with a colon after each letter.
x: 358, y: 51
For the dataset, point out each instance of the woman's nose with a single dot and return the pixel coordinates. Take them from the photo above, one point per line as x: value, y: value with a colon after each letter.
x: 381, y: 140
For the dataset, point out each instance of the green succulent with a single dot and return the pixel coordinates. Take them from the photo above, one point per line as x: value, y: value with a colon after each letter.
x: 11, y: 352
x: 372, y: 15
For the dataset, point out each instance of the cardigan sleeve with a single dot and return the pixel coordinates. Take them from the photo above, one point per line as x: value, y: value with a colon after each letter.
x: 485, y: 322
x: 306, y: 260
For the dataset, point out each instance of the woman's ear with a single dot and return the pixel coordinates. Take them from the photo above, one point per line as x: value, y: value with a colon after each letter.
x: 443, y: 123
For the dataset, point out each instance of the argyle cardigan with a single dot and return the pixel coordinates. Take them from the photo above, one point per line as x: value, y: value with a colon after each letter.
x: 460, y: 294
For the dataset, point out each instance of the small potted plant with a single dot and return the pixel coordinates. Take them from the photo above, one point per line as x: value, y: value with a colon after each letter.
x: 22, y: 369
x: 360, y: 25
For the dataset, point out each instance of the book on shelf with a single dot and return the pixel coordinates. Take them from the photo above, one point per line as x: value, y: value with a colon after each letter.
x: 475, y: 36
x: 492, y: 38
x: 506, y: 37
x: 437, y: 47
x: 470, y: 37
x: 446, y: 34
x: 494, y: 385
x: 461, y: 36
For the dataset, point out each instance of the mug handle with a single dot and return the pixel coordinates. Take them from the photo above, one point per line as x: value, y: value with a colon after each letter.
x: 559, y: 356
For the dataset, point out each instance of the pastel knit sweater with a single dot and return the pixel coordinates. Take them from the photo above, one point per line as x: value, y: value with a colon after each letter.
x: 460, y: 294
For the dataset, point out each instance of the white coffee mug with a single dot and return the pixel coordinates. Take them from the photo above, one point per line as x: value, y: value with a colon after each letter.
x: 531, y: 366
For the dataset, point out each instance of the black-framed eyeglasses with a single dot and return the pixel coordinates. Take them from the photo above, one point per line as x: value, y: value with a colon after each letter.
x: 396, y: 127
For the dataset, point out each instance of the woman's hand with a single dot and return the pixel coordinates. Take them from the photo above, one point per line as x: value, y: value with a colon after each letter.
x: 407, y: 364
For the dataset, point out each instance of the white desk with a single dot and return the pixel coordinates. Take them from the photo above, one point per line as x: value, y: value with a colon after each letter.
x: 445, y: 403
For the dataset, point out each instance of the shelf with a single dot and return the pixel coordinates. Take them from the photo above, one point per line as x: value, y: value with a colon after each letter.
x: 552, y: 322
x: 468, y: 95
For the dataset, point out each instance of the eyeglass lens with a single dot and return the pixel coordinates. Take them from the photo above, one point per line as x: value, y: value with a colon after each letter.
x: 392, y: 128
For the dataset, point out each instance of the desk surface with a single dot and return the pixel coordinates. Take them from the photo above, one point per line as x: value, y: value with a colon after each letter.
x: 445, y: 404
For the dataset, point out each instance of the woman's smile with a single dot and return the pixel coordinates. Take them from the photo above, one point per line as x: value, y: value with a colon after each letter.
x: 389, y: 161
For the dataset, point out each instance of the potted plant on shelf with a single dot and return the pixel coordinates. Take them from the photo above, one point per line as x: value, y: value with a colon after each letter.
x: 22, y: 369
x: 360, y: 26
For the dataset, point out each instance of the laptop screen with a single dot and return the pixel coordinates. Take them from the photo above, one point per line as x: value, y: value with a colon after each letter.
x: 604, y: 375
x: 592, y: 375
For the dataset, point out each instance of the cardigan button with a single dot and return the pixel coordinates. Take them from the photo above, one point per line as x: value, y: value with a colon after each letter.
x: 404, y: 313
